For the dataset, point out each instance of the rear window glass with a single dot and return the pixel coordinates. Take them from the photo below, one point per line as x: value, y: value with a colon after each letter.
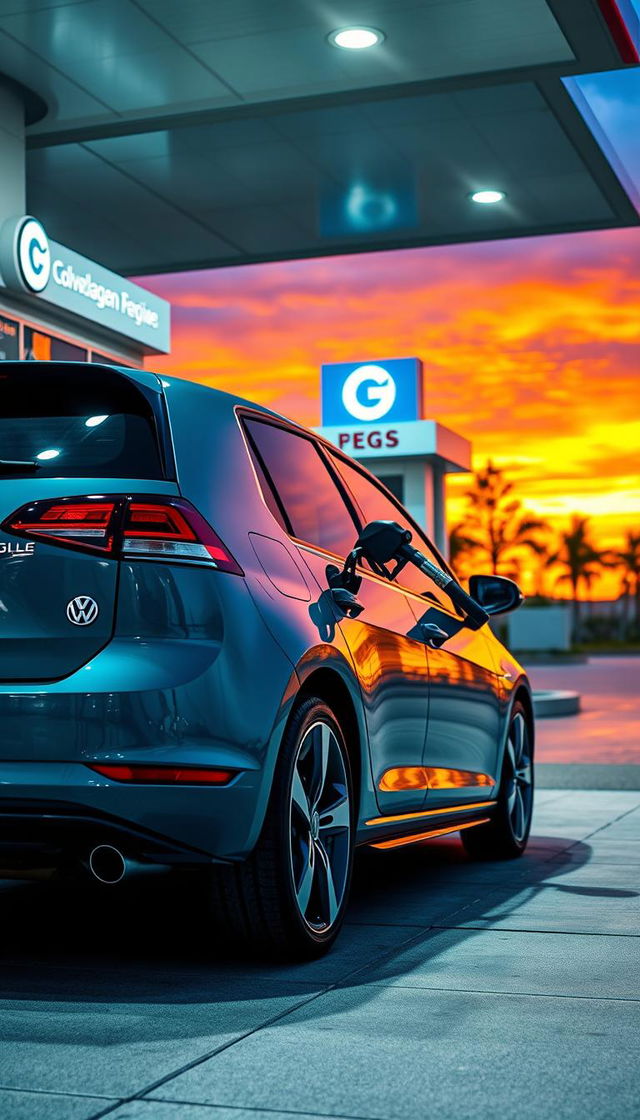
x: 60, y: 422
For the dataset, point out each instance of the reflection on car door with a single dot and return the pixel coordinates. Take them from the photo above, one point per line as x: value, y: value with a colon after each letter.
x: 461, y: 748
x: 388, y: 655
x: 461, y: 744
x: 391, y: 665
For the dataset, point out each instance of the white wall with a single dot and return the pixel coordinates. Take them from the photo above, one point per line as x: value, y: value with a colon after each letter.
x: 541, y: 628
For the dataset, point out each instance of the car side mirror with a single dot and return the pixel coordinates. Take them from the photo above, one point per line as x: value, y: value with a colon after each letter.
x: 495, y: 594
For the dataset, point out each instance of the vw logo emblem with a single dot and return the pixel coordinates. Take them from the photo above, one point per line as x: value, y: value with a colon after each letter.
x: 82, y: 610
x: 379, y: 390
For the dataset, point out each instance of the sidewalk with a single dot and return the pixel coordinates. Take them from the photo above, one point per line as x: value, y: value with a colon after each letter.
x: 457, y: 990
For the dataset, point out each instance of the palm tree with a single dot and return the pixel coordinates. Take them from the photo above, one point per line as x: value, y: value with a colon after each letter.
x: 628, y: 559
x: 496, y: 524
x: 582, y: 563
x: 461, y: 548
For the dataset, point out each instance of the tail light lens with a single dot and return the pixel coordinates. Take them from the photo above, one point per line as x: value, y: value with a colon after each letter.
x: 135, y: 527
x: 165, y: 775
x: 73, y: 521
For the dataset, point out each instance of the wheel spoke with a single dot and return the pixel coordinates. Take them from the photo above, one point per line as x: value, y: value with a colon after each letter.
x: 320, y: 746
x: 517, y: 731
x: 511, y: 798
x: 304, y: 887
x: 326, y: 886
x: 299, y: 797
x: 337, y: 818
x: 518, y: 815
x: 524, y: 773
x: 511, y: 754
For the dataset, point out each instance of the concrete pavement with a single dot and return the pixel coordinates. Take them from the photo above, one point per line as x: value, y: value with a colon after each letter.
x: 457, y: 990
x: 600, y: 747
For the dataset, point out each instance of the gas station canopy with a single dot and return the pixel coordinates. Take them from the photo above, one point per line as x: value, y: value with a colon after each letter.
x: 165, y: 136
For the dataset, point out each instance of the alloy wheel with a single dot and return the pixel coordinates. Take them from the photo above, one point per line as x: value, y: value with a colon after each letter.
x: 319, y: 827
x: 519, y: 778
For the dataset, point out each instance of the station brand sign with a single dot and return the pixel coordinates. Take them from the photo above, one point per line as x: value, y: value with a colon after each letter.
x: 30, y: 262
x: 411, y: 439
x: 388, y: 390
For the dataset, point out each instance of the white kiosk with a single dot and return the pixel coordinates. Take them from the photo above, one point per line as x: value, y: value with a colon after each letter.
x: 373, y: 411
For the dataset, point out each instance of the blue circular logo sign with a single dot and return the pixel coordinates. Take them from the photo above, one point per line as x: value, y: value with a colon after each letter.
x: 369, y: 392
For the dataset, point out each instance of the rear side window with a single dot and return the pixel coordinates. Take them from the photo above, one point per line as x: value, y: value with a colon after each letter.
x: 77, y: 422
x: 375, y: 505
x: 312, y: 502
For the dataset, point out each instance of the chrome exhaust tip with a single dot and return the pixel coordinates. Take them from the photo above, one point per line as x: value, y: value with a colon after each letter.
x: 107, y: 864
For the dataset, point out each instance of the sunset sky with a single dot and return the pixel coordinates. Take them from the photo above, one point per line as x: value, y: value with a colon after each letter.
x: 530, y: 349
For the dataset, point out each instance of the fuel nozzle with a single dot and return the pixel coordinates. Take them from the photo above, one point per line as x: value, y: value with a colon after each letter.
x: 382, y: 542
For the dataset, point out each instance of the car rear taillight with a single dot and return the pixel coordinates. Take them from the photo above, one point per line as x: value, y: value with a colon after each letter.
x: 164, y: 775
x: 74, y: 521
x: 128, y: 527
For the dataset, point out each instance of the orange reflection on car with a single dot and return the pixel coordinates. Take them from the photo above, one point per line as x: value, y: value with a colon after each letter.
x: 400, y: 841
x: 431, y: 777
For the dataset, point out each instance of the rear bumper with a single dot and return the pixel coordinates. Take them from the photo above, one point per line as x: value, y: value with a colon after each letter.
x: 192, y: 677
x: 50, y: 738
x: 53, y: 813
x: 208, y: 688
x: 42, y: 833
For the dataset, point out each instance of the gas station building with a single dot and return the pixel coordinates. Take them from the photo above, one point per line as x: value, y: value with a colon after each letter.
x: 156, y: 137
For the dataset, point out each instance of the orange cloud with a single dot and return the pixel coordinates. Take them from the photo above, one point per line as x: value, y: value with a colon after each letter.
x: 530, y: 349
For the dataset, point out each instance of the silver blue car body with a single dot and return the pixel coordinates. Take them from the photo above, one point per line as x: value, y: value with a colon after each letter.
x: 187, y: 665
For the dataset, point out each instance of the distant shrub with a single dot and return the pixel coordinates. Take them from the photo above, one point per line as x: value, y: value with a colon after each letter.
x: 601, y: 629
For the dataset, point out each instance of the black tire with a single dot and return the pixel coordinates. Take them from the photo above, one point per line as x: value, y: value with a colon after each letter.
x: 506, y: 835
x: 259, y: 903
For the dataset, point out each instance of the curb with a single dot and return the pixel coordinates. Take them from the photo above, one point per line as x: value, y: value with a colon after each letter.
x: 549, y: 703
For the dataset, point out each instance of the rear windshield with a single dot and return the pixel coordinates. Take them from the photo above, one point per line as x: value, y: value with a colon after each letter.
x: 64, y: 422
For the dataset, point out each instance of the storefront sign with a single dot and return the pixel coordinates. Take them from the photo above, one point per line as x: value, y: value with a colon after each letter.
x: 30, y: 262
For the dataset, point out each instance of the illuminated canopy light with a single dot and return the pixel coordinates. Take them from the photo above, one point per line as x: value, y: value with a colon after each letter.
x: 50, y: 454
x: 486, y: 198
x: 93, y: 421
x: 356, y: 38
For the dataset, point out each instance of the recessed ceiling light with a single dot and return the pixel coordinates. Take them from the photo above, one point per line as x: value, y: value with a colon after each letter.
x: 356, y: 38
x: 50, y: 454
x: 487, y: 197
x: 93, y: 421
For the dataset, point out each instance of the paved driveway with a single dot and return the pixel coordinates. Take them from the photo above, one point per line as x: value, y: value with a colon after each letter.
x: 608, y: 727
x: 457, y: 990
x: 600, y: 748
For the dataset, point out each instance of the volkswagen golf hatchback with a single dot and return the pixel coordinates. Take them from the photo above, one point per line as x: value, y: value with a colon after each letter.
x: 190, y: 673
